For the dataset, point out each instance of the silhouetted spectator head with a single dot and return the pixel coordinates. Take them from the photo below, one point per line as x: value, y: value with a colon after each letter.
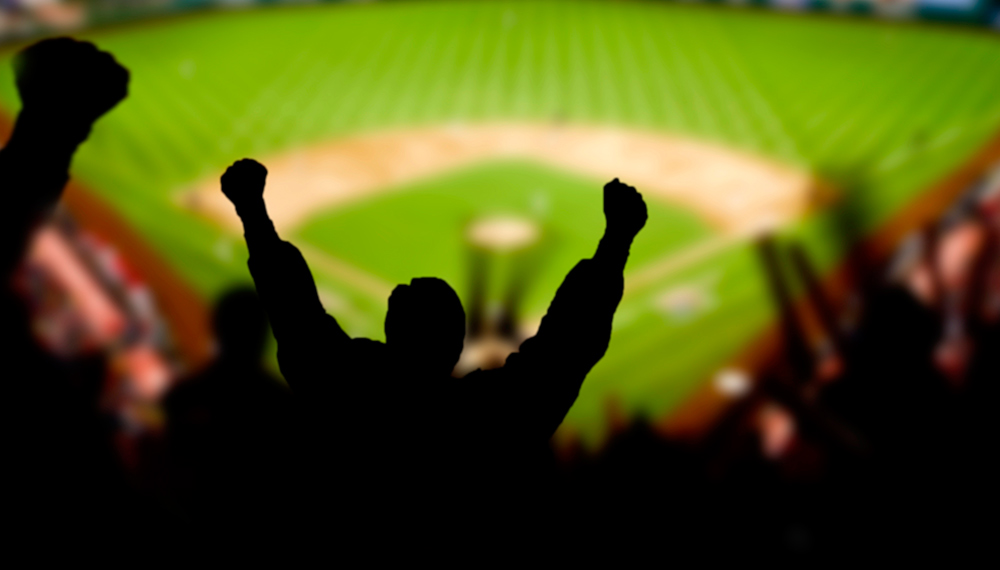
x: 426, y: 323
x: 240, y: 325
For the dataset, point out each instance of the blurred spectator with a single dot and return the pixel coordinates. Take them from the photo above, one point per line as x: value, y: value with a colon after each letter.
x: 20, y: 18
x: 230, y: 426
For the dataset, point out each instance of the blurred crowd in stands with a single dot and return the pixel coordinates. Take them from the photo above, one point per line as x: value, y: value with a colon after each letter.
x: 872, y: 430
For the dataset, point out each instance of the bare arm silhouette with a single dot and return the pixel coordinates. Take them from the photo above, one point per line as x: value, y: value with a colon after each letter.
x: 308, y: 338
x: 550, y: 367
x: 65, y: 86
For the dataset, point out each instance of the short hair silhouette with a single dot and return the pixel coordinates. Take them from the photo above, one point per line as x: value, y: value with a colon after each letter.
x: 426, y: 323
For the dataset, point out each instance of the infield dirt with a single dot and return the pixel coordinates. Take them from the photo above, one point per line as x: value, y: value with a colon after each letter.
x: 733, y: 191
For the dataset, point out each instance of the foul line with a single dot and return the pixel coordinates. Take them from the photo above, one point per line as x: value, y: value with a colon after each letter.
x: 343, y: 271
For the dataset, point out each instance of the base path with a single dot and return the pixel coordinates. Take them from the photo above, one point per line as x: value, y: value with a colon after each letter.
x: 733, y: 191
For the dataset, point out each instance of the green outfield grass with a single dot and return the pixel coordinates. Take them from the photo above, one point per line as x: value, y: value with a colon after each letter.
x: 881, y: 109
x: 429, y: 219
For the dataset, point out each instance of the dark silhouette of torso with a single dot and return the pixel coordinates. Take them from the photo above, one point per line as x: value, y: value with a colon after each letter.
x: 231, y: 427
x: 391, y: 425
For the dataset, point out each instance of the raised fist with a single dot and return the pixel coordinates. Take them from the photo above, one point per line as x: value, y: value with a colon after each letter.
x: 243, y: 182
x: 69, y: 82
x: 624, y: 209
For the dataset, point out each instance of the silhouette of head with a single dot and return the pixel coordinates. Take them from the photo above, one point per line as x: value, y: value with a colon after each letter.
x: 426, y: 324
x: 240, y: 325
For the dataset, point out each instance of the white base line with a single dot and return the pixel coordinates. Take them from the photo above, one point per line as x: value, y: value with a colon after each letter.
x: 673, y: 263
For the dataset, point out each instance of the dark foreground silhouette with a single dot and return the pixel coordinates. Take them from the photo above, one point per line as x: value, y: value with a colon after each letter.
x: 62, y: 478
x: 231, y: 438
x: 871, y: 431
x: 390, y: 418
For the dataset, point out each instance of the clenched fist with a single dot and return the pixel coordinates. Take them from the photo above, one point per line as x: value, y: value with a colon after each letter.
x: 69, y: 82
x: 624, y: 209
x: 243, y: 182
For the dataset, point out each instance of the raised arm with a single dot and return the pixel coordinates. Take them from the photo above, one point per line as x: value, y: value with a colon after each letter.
x: 65, y: 86
x: 546, y: 373
x: 308, y: 338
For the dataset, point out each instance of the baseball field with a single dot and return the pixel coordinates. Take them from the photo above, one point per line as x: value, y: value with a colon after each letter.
x: 391, y: 129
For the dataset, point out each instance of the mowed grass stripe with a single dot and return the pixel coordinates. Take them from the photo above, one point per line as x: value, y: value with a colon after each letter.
x: 841, y: 100
x: 919, y: 99
x: 446, y: 73
x: 807, y: 81
x: 408, y: 82
x: 191, y: 122
x: 706, y: 123
x: 891, y: 127
x: 353, y: 99
x: 375, y: 106
x: 553, y: 68
x: 338, y: 75
x: 272, y: 130
x: 411, y: 83
x: 173, y: 143
x: 269, y: 95
x: 671, y: 96
x: 496, y: 64
x: 731, y: 100
x: 525, y: 66
x: 612, y: 79
x: 969, y: 102
x: 640, y: 75
x: 139, y: 158
x: 637, y: 95
x: 777, y: 137
x: 987, y: 101
x: 466, y: 95
x: 866, y: 108
x: 586, y: 101
x: 865, y: 126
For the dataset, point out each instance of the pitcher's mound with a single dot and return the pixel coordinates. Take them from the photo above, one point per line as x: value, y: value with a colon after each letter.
x: 503, y: 234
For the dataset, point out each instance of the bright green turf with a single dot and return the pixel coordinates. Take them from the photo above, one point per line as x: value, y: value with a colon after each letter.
x: 418, y: 230
x: 843, y: 97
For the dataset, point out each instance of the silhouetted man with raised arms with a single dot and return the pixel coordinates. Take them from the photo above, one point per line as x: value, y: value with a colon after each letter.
x: 394, y: 408
x: 63, y: 481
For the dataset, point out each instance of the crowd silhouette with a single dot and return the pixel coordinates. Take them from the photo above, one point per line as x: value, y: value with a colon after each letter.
x: 877, y: 434
x: 230, y: 426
